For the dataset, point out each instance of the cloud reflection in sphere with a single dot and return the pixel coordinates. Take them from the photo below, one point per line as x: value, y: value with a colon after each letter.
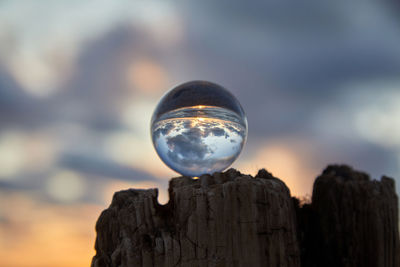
x: 198, y: 127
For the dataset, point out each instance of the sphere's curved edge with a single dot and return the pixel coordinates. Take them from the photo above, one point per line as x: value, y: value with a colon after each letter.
x: 198, y: 92
x: 198, y: 127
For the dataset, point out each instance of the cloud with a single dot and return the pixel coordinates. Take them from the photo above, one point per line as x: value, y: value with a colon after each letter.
x: 292, y: 160
x: 218, y: 132
x: 50, y: 35
x: 283, y: 67
x: 300, y: 70
x: 104, y: 168
x: 198, y: 145
x: 30, y: 224
x: 189, y: 144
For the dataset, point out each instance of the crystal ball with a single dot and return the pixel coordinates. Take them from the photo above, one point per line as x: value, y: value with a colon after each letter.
x: 198, y: 128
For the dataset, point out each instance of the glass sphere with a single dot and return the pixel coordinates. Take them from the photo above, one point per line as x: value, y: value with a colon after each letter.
x: 198, y: 128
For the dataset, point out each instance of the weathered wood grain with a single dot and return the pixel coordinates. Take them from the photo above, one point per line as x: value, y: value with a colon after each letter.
x: 231, y: 219
x: 228, y: 219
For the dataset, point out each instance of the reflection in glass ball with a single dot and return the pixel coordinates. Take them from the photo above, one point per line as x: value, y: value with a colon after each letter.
x: 198, y: 127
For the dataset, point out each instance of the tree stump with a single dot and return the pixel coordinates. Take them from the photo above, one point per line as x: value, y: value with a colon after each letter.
x: 231, y: 219
x: 352, y: 221
x: 227, y: 219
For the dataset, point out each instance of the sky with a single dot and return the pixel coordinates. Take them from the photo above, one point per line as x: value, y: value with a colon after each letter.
x: 79, y: 81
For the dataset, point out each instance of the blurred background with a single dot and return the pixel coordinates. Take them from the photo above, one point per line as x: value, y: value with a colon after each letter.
x: 79, y: 80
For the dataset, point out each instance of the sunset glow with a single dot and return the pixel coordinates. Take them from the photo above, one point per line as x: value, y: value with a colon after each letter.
x: 79, y: 81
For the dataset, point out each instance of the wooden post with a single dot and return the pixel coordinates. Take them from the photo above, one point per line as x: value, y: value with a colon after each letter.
x: 352, y: 221
x: 231, y: 219
x: 228, y: 219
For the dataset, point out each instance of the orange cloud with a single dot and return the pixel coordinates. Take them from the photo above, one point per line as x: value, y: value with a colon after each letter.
x: 147, y: 76
x: 34, y: 233
x: 288, y: 160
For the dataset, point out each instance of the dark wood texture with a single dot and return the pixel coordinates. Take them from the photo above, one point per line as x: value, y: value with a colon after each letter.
x: 231, y: 219
x: 352, y: 221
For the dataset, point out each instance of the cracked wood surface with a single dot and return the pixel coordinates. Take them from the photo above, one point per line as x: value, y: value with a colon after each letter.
x: 231, y: 219
x: 227, y: 219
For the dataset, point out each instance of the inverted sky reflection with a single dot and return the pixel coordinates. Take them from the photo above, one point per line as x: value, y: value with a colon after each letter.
x: 200, y: 139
